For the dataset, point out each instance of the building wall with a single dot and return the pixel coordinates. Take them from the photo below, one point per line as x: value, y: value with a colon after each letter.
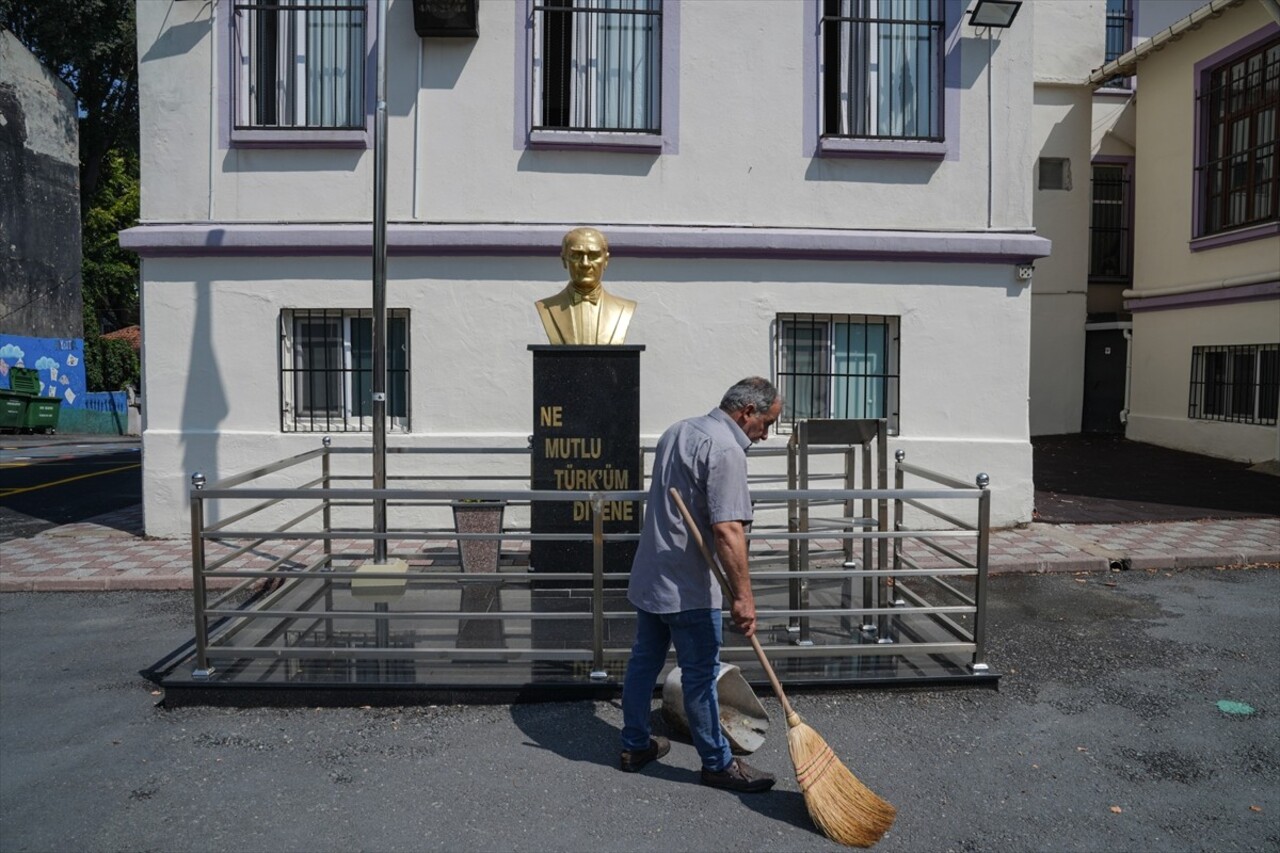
x: 39, y: 200
x: 740, y: 170
x: 1166, y: 263
x: 472, y: 319
x: 1068, y: 43
x: 456, y: 150
x: 1162, y: 376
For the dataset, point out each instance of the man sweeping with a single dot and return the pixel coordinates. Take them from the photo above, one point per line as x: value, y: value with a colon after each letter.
x: 677, y: 599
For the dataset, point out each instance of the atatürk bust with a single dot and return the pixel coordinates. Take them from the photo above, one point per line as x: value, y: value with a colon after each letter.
x: 583, y: 313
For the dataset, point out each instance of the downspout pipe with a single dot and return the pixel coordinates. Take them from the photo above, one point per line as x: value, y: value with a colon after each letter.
x: 1128, y: 373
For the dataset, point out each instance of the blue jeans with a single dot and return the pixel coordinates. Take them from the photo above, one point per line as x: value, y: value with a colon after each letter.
x: 697, y: 636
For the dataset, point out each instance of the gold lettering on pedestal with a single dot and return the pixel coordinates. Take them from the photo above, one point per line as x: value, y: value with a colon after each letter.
x: 608, y: 479
x: 573, y: 448
x: 552, y: 416
x: 610, y: 511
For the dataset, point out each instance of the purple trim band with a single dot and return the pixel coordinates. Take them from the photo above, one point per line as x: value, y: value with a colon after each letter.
x: 1240, y: 235
x: 1221, y: 296
x: 213, y: 239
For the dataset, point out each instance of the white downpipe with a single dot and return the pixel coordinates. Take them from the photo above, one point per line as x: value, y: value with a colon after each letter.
x: 213, y: 102
x: 990, y: 143
x: 417, y: 135
x: 1128, y: 373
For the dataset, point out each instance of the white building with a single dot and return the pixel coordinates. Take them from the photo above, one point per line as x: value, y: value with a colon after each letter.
x: 1200, y: 128
x: 789, y: 190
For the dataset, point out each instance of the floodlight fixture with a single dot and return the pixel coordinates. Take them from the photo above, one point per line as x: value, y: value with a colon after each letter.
x: 994, y: 13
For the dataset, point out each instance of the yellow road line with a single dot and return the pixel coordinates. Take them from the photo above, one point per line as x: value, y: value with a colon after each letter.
x: 5, y: 493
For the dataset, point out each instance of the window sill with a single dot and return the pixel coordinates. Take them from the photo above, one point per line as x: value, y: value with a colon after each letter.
x: 897, y: 149
x: 1230, y: 238
x: 597, y: 140
x: 297, y: 138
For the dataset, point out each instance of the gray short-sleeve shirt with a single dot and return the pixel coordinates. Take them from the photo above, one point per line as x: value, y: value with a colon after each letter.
x: 704, y: 459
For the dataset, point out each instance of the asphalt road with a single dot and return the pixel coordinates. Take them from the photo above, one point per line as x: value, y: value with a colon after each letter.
x: 1106, y: 734
x: 48, y: 484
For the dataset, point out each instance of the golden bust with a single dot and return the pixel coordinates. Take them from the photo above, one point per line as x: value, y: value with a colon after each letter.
x: 583, y: 313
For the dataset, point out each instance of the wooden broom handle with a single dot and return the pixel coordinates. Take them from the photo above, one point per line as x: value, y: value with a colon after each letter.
x: 728, y: 590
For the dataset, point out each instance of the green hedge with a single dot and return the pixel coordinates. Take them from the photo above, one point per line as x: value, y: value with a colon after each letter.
x: 110, y: 365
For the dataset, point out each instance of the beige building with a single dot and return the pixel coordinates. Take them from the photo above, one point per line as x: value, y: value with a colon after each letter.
x: 1204, y: 371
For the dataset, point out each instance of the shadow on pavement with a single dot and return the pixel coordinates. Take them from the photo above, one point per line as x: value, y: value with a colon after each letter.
x: 1093, y: 478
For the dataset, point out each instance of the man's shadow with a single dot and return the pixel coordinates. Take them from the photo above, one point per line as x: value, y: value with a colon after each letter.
x: 576, y: 732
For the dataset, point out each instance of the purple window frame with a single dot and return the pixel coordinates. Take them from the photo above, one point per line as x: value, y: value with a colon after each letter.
x: 229, y: 136
x: 818, y: 145
x: 1127, y: 165
x: 1202, y: 74
x: 664, y: 142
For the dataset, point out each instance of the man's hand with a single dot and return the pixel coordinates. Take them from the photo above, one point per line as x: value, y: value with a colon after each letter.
x: 731, y: 548
x: 743, y: 612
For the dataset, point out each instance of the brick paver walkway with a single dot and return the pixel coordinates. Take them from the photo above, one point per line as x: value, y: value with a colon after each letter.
x: 110, y: 553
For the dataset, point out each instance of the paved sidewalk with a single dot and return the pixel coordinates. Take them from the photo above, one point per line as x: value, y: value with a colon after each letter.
x: 110, y: 552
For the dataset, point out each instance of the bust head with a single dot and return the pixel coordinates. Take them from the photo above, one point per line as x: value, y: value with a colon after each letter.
x: 585, y: 254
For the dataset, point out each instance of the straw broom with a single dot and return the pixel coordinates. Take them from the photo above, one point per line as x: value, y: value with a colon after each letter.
x: 844, y: 809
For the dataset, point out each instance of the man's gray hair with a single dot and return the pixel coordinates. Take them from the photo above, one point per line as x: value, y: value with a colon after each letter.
x: 752, y: 391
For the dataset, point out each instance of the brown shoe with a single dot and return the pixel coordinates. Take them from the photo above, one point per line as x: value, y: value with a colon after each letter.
x: 738, y: 776
x: 634, y: 759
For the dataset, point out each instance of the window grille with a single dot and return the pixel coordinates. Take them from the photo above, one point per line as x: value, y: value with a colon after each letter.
x: 597, y: 65
x: 1238, y: 180
x: 326, y: 375
x: 837, y: 366
x: 882, y: 66
x: 300, y: 64
x: 1119, y: 37
x: 1237, y: 383
x: 1110, y: 233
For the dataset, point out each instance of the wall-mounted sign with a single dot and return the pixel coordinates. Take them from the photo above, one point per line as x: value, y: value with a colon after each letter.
x: 446, y: 18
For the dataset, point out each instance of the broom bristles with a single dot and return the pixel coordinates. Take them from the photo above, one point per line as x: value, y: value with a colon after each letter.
x: 844, y: 809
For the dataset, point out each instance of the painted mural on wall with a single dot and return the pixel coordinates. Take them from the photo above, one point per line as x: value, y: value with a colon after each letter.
x: 59, y: 361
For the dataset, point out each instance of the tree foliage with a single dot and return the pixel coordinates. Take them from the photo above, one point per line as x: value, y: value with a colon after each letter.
x: 109, y: 274
x: 110, y: 364
x: 92, y: 46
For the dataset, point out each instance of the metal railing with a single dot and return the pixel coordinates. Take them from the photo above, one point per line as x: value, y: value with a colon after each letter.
x: 282, y: 587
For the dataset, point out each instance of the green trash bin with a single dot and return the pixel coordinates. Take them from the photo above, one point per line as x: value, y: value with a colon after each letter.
x: 42, y: 413
x: 24, y: 380
x: 36, y: 412
x: 13, y: 410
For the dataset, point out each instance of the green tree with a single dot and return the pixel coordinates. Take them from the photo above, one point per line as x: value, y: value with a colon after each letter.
x: 109, y: 277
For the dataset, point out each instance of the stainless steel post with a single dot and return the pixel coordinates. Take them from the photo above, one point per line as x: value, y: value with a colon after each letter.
x: 327, y: 517
x: 598, y: 672
x: 793, y: 546
x: 202, y: 669
x: 980, y: 592
x: 379, y: 383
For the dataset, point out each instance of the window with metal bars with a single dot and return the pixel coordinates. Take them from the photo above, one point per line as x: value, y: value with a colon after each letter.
x: 597, y: 65
x: 1119, y: 37
x: 1110, y: 225
x: 326, y: 373
x: 882, y: 69
x: 300, y: 64
x: 1238, y: 383
x: 1238, y: 170
x: 837, y: 366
